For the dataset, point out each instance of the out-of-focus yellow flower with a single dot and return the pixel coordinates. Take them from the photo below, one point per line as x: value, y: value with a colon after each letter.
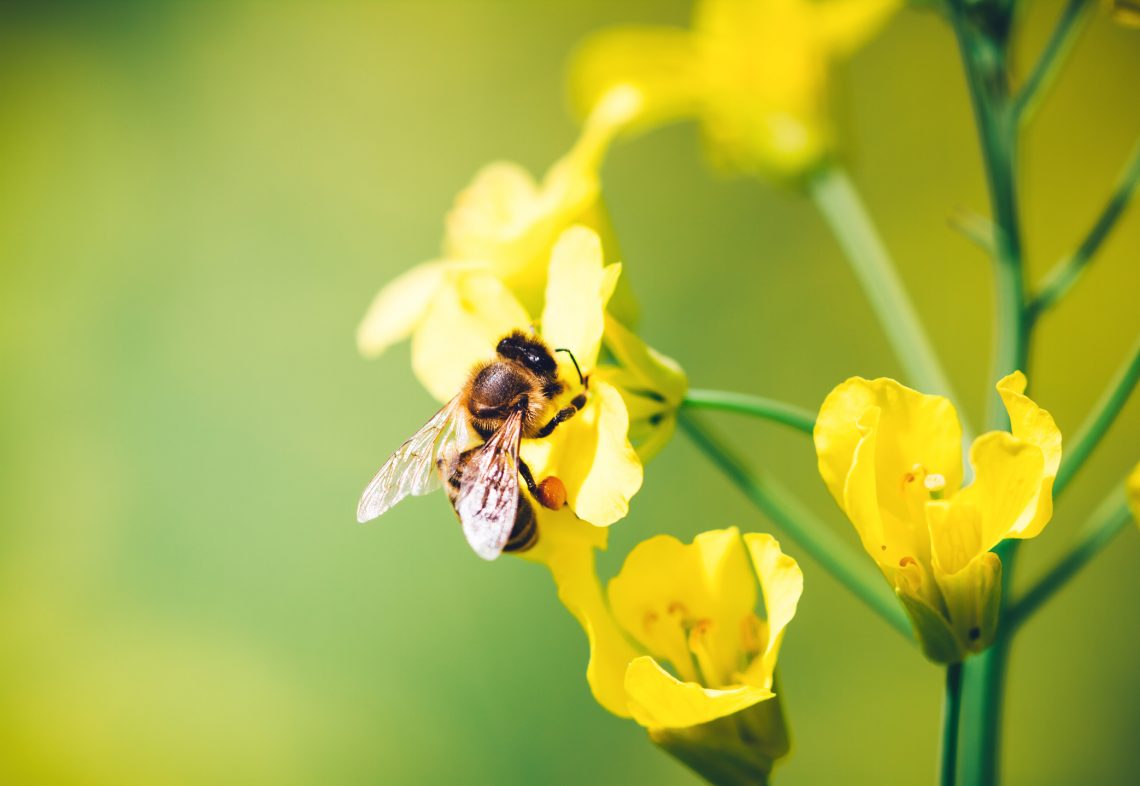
x: 498, y: 241
x: 755, y: 72
x: 1132, y: 488
x: 676, y: 642
x: 892, y: 459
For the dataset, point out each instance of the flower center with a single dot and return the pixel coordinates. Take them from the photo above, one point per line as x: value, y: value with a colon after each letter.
x: 919, y: 484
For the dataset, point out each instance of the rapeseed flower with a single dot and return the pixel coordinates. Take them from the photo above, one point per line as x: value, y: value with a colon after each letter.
x: 892, y: 459
x: 676, y: 643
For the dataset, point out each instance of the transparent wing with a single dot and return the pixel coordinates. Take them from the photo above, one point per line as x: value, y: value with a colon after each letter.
x: 489, y: 490
x: 413, y: 468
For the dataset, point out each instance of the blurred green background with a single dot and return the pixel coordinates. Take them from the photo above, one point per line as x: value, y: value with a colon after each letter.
x: 198, y: 201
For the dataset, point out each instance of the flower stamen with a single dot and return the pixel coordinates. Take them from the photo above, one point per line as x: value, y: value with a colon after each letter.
x: 935, y: 484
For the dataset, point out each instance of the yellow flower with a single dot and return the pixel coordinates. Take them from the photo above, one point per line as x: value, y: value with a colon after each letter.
x: 676, y: 643
x: 892, y: 459
x: 754, y: 72
x: 498, y: 241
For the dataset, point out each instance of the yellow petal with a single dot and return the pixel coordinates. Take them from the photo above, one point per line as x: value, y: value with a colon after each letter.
x: 491, y: 213
x: 508, y: 222
x: 577, y: 289
x: 609, y: 114
x: 399, y: 308
x: 845, y: 25
x: 782, y: 583
x: 955, y: 531
x: 876, y: 440
x: 973, y: 596
x: 1008, y: 477
x: 667, y: 589
x: 913, y: 429
x: 648, y: 368
x: 651, y: 384
x: 592, y: 456
x: 657, y: 699
x: 659, y: 63
x: 859, y: 496
x: 464, y: 322
x: 1030, y: 423
x: 767, y: 75
x: 566, y: 546
x: 649, y: 439
x: 884, y: 508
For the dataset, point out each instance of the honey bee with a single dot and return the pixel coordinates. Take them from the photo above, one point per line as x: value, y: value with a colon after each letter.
x: 502, y: 402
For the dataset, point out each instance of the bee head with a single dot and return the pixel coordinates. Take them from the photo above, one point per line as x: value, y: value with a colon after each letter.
x: 529, y: 351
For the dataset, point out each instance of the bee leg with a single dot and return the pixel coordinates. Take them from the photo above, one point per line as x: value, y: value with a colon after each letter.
x: 528, y: 478
x: 524, y: 534
x: 562, y: 416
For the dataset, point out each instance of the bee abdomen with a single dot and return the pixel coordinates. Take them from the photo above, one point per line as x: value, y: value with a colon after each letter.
x: 525, y: 532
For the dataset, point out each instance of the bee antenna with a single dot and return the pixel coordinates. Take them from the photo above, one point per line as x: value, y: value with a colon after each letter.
x: 574, y: 360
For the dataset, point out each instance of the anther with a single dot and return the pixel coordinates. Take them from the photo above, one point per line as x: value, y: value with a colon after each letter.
x: 916, y: 472
x: 905, y: 561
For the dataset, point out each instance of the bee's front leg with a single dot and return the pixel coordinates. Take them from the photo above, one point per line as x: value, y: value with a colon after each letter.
x: 562, y: 416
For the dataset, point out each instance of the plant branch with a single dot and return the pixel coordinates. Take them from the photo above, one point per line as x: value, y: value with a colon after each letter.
x: 982, y: 45
x: 1108, y: 520
x: 1066, y: 272
x: 742, y: 403
x: 1052, y: 56
x: 1101, y: 416
x: 840, y: 204
x: 852, y: 569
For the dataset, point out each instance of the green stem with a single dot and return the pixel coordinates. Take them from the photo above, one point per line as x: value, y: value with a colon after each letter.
x: 985, y: 688
x: 951, y: 708
x: 852, y: 569
x: 982, y: 44
x: 840, y: 204
x: 1065, y: 273
x: 1109, y: 519
x: 984, y: 60
x: 1048, y: 64
x: 769, y: 409
x: 1100, y: 418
